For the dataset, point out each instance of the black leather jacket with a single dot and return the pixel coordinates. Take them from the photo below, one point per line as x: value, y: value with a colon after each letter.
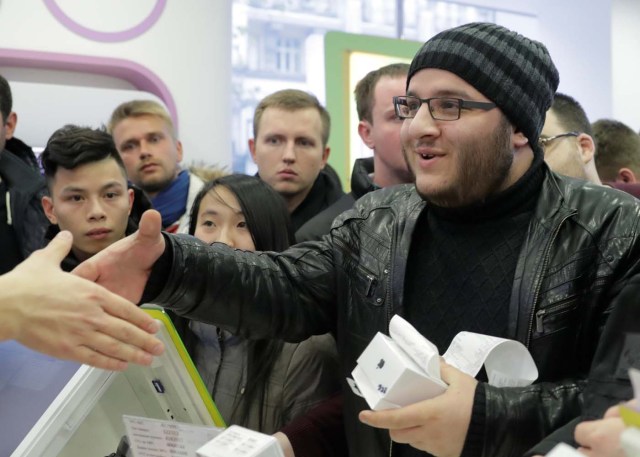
x: 574, y: 268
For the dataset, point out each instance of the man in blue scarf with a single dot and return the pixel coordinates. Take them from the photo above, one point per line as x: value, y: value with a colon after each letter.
x: 146, y: 139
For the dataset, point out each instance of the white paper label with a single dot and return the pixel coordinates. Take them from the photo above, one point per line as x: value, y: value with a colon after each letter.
x: 161, y: 438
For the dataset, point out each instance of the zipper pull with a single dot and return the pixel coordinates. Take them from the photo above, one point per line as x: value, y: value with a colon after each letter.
x: 371, y: 285
x: 220, y: 337
x: 539, y: 319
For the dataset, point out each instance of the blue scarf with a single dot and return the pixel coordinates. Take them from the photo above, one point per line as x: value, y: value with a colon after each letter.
x: 172, y: 200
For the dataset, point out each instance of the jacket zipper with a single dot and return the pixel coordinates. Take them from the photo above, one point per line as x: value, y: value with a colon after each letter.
x: 220, y: 337
x: 539, y: 285
x: 371, y: 284
x: 389, y: 304
x: 540, y: 314
x: 8, y: 204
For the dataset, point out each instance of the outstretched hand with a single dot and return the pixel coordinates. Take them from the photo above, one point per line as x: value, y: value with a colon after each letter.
x: 601, y: 438
x: 125, y: 266
x: 438, y: 425
x: 67, y: 317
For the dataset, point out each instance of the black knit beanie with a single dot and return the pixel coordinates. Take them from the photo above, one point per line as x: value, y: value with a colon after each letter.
x: 513, y: 71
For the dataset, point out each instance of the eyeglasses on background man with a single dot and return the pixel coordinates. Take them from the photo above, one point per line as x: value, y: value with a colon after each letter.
x: 543, y: 141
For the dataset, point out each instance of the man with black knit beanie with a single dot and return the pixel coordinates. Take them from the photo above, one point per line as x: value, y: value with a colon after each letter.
x: 487, y: 240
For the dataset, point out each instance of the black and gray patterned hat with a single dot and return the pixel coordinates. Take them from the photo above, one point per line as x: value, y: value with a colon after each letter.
x: 511, y: 70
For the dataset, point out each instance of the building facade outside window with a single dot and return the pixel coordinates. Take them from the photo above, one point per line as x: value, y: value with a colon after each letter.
x: 278, y: 44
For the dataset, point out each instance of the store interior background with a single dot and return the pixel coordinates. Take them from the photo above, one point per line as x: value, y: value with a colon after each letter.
x: 210, y: 62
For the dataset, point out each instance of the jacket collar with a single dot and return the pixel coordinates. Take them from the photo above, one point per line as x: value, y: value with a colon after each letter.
x: 18, y: 175
x: 323, y: 193
x: 361, y: 182
x: 23, y: 151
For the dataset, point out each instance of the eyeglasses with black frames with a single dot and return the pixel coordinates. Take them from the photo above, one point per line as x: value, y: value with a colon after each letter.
x: 440, y: 108
x: 544, y: 141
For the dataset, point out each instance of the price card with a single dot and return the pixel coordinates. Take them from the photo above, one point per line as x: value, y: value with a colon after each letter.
x: 161, y: 438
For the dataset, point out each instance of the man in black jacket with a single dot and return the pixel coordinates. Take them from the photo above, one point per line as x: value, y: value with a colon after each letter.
x: 289, y: 146
x: 22, y: 221
x: 487, y: 240
x: 379, y: 128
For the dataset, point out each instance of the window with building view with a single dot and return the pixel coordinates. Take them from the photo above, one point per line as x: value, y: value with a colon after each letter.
x: 278, y: 44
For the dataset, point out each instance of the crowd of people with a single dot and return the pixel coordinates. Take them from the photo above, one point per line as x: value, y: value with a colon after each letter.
x: 490, y: 204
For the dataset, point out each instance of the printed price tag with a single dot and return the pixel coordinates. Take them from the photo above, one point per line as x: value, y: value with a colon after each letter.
x: 160, y: 438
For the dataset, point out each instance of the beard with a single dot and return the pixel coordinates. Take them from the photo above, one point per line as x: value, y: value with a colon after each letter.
x: 157, y: 182
x: 483, y: 167
x: 157, y: 185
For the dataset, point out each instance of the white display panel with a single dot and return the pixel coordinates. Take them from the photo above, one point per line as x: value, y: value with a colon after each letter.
x: 86, y: 412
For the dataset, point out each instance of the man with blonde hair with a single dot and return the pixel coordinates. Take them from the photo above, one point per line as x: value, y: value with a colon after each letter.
x: 291, y: 131
x: 148, y: 144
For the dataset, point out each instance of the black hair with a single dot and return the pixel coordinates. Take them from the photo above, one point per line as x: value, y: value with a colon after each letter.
x: 6, y: 100
x: 571, y: 114
x: 264, y: 209
x: 269, y: 223
x: 72, y: 146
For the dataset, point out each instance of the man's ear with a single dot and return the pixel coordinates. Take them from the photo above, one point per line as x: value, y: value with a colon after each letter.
x: 587, y: 147
x: 364, y: 130
x: 47, y: 205
x: 518, y: 139
x: 325, y: 155
x: 179, y: 149
x: 252, y: 148
x: 10, y: 127
x: 626, y: 175
x: 131, y: 199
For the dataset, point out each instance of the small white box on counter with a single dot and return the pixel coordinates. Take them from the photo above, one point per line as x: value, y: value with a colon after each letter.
x: 236, y: 441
